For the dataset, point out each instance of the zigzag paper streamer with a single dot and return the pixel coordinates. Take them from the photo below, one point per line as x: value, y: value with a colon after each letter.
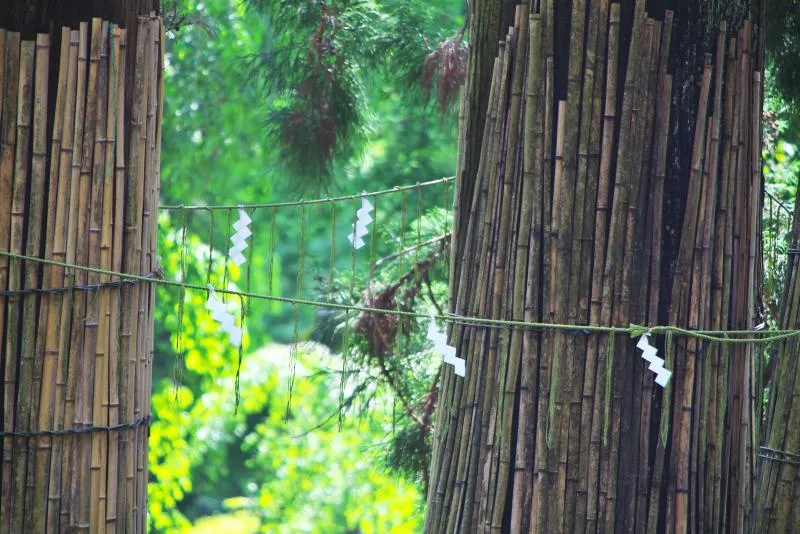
x: 360, y: 226
x: 439, y: 340
x: 226, y: 320
x: 650, y: 354
x: 239, y: 239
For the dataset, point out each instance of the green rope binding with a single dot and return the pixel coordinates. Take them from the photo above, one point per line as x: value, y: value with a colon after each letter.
x: 758, y: 337
x: 416, y: 186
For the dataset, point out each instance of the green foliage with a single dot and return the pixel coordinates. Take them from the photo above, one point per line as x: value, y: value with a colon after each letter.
x: 212, y: 146
x: 321, y: 57
x: 782, y: 37
x: 781, y: 165
x: 251, y: 471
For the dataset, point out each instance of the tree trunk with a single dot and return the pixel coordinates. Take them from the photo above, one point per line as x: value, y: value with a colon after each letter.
x: 80, y: 107
x: 612, y: 176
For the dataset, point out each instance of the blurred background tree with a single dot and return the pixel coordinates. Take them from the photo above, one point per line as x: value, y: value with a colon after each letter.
x: 267, y: 101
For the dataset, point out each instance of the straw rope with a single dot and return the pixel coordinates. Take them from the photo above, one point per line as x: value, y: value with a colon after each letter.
x: 758, y: 337
x: 324, y: 200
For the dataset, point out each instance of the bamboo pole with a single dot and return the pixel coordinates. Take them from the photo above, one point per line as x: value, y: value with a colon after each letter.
x: 9, y: 139
x: 31, y: 359
x: 19, y: 336
x: 508, y: 379
x: 93, y: 350
x: 526, y: 260
x: 116, y: 360
x: 58, y: 325
x: 72, y: 305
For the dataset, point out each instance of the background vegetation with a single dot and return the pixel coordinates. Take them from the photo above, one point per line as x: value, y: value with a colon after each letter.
x: 238, y: 98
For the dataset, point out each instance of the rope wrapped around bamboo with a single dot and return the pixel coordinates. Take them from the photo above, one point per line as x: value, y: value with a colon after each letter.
x: 558, y: 430
x: 76, y: 345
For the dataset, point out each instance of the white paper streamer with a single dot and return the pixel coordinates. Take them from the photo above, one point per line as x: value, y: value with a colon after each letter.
x: 439, y: 340
x: 650, y: 354
x: 226, y: 320
x: 239, y: 239
x: 360, y: 226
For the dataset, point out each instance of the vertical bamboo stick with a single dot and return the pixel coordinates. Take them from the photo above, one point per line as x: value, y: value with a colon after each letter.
x: 523, y: 469
x: 58, y: 326
x: 9, y: 139
x: 507, y: 391
x: 30, y: 358
x: 15, y: 342
x: 85, y: 328
x: 593, y: 406
x: 116, y: 361
x: 74, y: 306
x: 489, y: 339
x: 153, y: 132
x: 94, y: 353
x: 131, y: 294
x: 50, y: 303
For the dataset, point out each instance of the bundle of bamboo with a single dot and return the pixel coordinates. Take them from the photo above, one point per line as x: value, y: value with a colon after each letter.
x: 563, y: 431
x: 778, y: 497
x: 76, y: 347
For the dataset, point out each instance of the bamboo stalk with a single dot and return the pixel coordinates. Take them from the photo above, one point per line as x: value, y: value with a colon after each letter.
x: 85, y: 328
x: 116, y: 153
x: 19, y: 336
x: 527, y: 260
x: 58, y: 325
x: 663, y: 112
x: 469, y: 446
x: 596, y: 356
x: 507, y: 391
x: 74, y: 305
x: 150, y: 215
x: 94, y: 352
x: 570, y: 243
x: 30, y: 362
x: 2, y: 67
x: 612, y: 293
x: 488, y: 339
x: 129, y: 346
x: 51, y: 305
x: 9, y: 139
x: 467, y: 270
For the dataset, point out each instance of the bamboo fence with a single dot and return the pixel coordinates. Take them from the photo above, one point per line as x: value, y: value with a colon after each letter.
x: 778, y: 496
x: 563, y: 430
x: 76, y: 346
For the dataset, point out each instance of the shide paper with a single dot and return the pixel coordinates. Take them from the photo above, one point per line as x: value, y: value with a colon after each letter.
x: 650, y: 354
x: 239, y: 239
x: 439, y: 340
x: 226, y: 320
x: 363, y: 218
